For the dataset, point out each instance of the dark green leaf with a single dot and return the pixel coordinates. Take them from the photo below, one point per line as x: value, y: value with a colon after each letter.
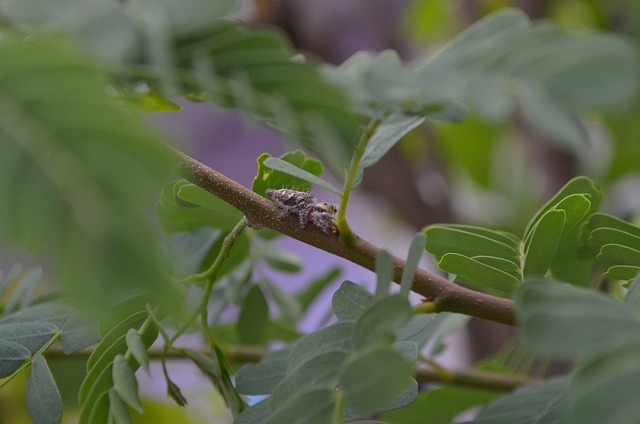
x: 479, y: 275
x: 470, y: 242
x: 411, y: 266
x: 542, y: 246
x: 288, y: 168
x: 381, y: 320
x: 350, y: 300
x: 43, y: 399
x: 12, y: 355
x: 254, y: 317
x: 370, y: 391
x: 622, y: 272
x: 391, y: 129
x: 564, y: 321
x: 384, y: 273
x: 125, y: 383
x: 536, y: 404
x: 224, y: 215
x: 175, y: 393
x: 618, y: 254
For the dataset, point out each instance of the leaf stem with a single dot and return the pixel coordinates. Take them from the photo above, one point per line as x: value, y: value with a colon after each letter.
x: 209, y: 275
x: 338, y: 408
x: 346, y: 235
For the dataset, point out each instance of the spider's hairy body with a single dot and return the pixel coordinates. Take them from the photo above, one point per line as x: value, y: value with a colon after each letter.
x: 304, y: 206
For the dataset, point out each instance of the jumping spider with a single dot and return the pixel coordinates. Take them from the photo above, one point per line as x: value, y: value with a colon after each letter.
x: 304, y: 206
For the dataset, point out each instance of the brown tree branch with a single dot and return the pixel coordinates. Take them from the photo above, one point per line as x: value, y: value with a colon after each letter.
x: 260, y: 212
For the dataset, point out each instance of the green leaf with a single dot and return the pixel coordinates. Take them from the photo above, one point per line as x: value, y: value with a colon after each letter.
x: 252, y: 68
x: 350, y: 301
x: 83, y: 191
x: 384, y: 273
x: 391, y: 129
x: 271, y: 178
x: 370, y: 391
x: 560, y: 320
x: 441, y: 405
x: 584, y: 186
x: 78, y: 332
x: 288, y: 168
x: 43, y: 399
x: 219, y: 372
x: 632, y: 299
x: 470, y: 241
x: 279, y: 258
x: 136, y: 346
x: 263, y: 377
x: 535, y: 404
x: 288, y: 304
x: 380, y: 321
x: 254, y: 317
x: 23, y: 293
x: 605, y: 390
x: 320, y: 372
x: 186, y: 207
x: 118, y: 410
x: 618, y: 254
x: 542, y: 246
x: 175, y: 392
x: 125, y: 383
x: 622, y: 272
x: 32, y: 335
x: 12, y: 355
x: 602, y: 236
x: 479, y: 275
x: 602, y: 220
x: 312, y: 407
x: 336, y: 337
x: 255, y: 414
x: 543, y: 112
x: 411, y: 266
x: 408, y: 350
x: 316, y: 286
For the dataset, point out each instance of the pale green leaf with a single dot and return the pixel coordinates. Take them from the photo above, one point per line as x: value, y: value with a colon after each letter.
x: 535, y: 404
x: 336, y: 337
x: 125, y: 383
x: 384, y: 273
x: 381, y: 320
x: 263, y: 377
x: 44, y: 404
x: 320, y: 372
x: 118, y: 409
x: 12, y: 355
x: 136, y: 346
x: 605, y: 390
x: 311, y: 407
x: 561, y: 320
x: 350, y: 300
x: 32, y: 335
x: 370, y: 391
x: 288, y: 168
x: 391, y: 129
x: 78, y: 332
x: 411, y: 266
